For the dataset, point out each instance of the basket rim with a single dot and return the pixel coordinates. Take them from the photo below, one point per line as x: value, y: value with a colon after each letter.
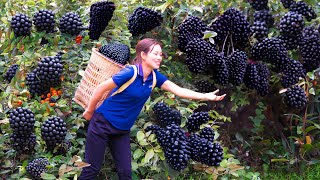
x: 96, y: 51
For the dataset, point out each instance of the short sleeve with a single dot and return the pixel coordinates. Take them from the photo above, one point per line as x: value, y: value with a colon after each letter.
x: 123, y: 76
x: 160, y: 78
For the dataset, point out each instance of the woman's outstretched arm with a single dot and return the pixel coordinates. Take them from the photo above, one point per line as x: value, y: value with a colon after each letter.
x: 190, y: 94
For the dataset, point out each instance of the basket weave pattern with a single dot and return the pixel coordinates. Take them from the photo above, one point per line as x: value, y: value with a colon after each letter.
x: 99, y: 69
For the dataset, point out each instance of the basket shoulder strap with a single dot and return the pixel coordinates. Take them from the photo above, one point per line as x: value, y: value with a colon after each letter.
x: 125, y: 85
x: 154, y: 80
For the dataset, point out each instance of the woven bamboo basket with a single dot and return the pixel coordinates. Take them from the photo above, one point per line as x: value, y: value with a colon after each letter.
x: 99, y: 69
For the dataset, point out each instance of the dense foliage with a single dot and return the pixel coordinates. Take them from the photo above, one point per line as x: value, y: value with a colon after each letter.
x: 249, y: 50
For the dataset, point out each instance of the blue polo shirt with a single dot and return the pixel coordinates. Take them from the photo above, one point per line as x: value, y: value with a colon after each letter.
x: 122, y: 109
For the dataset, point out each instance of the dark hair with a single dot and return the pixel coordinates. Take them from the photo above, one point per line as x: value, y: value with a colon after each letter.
x: 145, y: 45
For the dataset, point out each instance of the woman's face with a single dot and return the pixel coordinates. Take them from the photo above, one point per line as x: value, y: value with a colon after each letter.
x: 154, y: 57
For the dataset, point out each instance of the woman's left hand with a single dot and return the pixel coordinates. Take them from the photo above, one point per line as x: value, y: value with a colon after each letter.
x: 213, y: 97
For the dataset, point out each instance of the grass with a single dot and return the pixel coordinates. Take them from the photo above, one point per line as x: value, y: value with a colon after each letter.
x: 310, y: 173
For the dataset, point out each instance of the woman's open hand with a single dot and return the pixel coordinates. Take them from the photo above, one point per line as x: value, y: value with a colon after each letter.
x: 213, y: 97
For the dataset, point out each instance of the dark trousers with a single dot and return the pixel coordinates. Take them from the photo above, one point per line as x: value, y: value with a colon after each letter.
x: 101, y: 134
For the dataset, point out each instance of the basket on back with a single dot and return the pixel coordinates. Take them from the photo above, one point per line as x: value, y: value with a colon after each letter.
x: 99, y: 69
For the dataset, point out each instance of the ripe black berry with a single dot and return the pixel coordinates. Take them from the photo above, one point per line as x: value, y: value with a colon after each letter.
x: 53, y: 131
x: 195, y: 120
x: 207, y: 133
x: 11, y: 72
x: 70, y: 23
x: 44, y: 20
x: 143, y: 20
x: 237, y: 63
x: 21, y: 25
x: 119, y: 53
x: 166, y: 115
x: 302, y: 8
x: 291, y: 24
x: 37, y: 166
x: 192, y: 27
x: 259, y: 4
x: 100, y: 15
x: 23, y: 144
x: 295, y: 97
x: 22, y: 121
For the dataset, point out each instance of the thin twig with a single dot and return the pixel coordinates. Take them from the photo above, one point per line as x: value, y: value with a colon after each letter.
x: 224, y: 43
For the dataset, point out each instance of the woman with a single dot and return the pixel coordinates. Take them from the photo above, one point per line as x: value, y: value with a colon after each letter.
x: 111, y: 122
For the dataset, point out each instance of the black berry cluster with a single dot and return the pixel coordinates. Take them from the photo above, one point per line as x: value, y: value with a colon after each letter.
x: 211, y: 153
x: 49, y: 70
x: 259, y: 4
x: 220, y: 70
x: 237, y: 63
x: 290, y: 42
x: 291, y: 24
x: 194, y: 141
x: 287, y: 3
x: 251, y: 76
x: 207, y: 133
x: 166, y: 115
x: 260, y: 30
x: 173, y: 141
x: 21, y: 25
x: 160, y: 134
x: 291, y: 74
x: 100, y: 15
x: 23, y: 144
x: 71, y: 23
x: 232, y: 23
x: 270, y: 50
x: 63, y: 148
x: 34, y: 84
x: 204, y: 86
x: 119, y: 53
x: 198, y: 55
x: 295, y: 97
x: 257, y: 77
x: 44, y: 20
x: 302, y: 8
x: 264, y: 16
x: 192, y: 27
x: 11, y: 72
x: 205, y: 151
x: 309, y: 47
x: 22, y: 120
x: 143, y: 20
x: 195, y: 120
x: 46, y: 75
x: 37, y: 166
x: 262, y: 86
x: 53, y: 131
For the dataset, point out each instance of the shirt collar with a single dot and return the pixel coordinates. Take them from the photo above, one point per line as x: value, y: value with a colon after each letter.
x: 140, y: 70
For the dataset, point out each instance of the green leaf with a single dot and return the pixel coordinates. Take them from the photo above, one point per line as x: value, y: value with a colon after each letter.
x: 4, y: 20
x: 311, y: 75
x: 311, y: 91
x: 140, y: 135
x: 209, y: 34
x: 310, y: 128
x: 48, y: 176
x: 149, y: 155
x: 137, y: 153
x: 134, y: 165
x: 197, y: 8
